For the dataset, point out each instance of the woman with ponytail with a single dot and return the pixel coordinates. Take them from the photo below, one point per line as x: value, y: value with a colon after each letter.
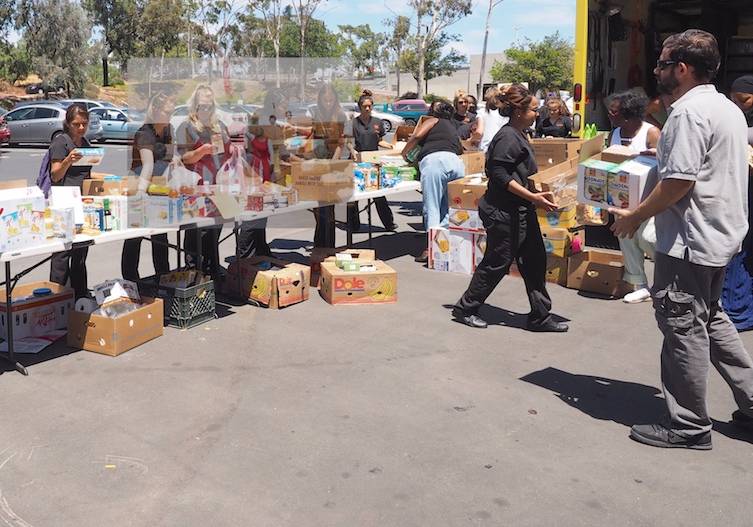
x: 508, y: 210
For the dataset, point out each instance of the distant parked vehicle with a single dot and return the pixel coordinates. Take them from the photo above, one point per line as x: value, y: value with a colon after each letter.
x: 390, y: 121
x: 233, y: 116
x: 116, y: 124
x: 89, y: 103
x: 410, y: 110
x: 41, y: 123
x: 43, y: 88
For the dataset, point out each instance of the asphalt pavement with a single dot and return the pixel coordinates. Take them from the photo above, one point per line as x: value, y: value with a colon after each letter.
x: 363, y: 415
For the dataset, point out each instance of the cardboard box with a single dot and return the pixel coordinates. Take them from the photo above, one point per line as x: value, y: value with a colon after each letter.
x: 323, y: 180
x: 59, y: 224
x: 466, y: 220
x: 365, y: 176
x: 455, y: 251
x: 596, y: 272
x: 343, y: 287
x: 22, y: 222
x: 269, y: 281
x: 113, y: 336
x: 105, y: 186
x: 320, y: 254
x: 564, y: 218
x: 561, y: 180
x: 557, y: 242
x: 626, y: 182
x: 475, y: 163
x: 377, y: 155
x: 36, y: 316
x: 161, y: 211
x: 617, y: 154
x: 593, y: 175
x: 465, y: 193
x: 553, y: 151
x: 556, y: 269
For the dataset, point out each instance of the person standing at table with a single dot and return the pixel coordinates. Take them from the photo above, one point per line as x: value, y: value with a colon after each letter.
x: 328, y: 129
x: 70, y: 265
x: 701, y: 220
x: 152, y: 152
x: 508, y: 210
x: 557, y: 122
x: 368, y: 136
x: 204, y: 145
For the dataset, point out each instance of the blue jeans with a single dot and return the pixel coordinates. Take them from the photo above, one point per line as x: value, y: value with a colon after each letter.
x: 437, y: 170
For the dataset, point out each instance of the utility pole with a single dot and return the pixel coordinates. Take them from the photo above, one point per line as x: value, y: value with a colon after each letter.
x: 480, y: 87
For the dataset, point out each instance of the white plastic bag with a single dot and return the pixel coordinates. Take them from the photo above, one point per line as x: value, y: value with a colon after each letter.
x: 178, y: 176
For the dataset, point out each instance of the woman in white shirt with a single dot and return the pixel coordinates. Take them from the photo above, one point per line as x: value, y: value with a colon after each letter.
x: 490, y: 118
x: 626, y: 112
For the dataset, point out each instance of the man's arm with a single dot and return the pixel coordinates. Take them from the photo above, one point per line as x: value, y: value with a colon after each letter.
x: 666, y: 193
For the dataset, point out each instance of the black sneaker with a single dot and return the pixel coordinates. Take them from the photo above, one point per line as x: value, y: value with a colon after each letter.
x: 473, y: 321
x: 392, y: 227
x: 660, y: 436
x: 548, y: 327
x: 422, y: 258
x: 743, y: 421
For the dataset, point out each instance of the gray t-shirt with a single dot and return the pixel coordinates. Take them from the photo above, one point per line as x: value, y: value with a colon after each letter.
x: 704, y: 140
x: 61, y: 146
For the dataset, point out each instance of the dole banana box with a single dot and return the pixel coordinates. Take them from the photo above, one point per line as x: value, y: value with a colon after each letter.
x: 593, y: 175
x: 465, y: 220
x: 269, y: 281
x: 320, y: 254
x: 626, y: 182
x: 377, y: 285
x: 464, y: 193
x: 561, y: 242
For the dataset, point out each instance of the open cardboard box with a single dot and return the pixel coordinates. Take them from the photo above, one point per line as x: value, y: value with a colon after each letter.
x: 343, y: 287
x: 323, y: 180
x: 553, y: 151
x: 598, y: 272
x: 113, y: 336
x: 475, y: 162
x: 464, y: 193
x: 282, y: 285
x: 321, y: 254
x: 560, y: 179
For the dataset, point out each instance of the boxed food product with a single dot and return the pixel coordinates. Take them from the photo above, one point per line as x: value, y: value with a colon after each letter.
x: 114, y: 211
x: 626, y: 182
x: 465, y: 220
x: 323, y: 180
x: 269, y: 281
x: 161, y: 211
x: 556, y: 269
x: 377, y: 285
x: 105, y: 185
x: 365, y: 177
x: 59, y: 224
x: 451, y: 251
x: 22, y: 215
x: 564, y: 218
x: 464, y: 193
x: 475, y: 162
x: 37, y: 309
x: 593, y: 175
x: 113, y: 336
x: 90, y: 156
x: 596, y: 272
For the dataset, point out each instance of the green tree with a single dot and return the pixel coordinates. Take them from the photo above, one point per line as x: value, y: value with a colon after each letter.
x: 118, y: 20
x: 15, y: 62
x: 398, y: 38
x: 364, y: 47
x: 57, y: 34
x: 436, y: 64
x: 547, y: 64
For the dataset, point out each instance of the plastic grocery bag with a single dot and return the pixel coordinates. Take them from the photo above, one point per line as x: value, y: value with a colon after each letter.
x: 236, y: 176
x: 180, y: 178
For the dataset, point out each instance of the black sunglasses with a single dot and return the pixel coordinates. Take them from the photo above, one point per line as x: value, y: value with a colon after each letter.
x: 205, y: 107
x: 664, y: 64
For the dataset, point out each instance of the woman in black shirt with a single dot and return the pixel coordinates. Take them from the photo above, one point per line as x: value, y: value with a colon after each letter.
x: 508, y: 210
x: 63, y: 154
x: 152, y: 152
x: 556, y: 123
x: 438, y: 162
x: 368, y: 134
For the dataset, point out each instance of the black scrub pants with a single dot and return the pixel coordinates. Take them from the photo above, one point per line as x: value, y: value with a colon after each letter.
x: 510, y: 237
x: 129, y: 261
x: 383, y: 210
x: 210, y: 249
x: 71, y: 264
x: 324, y: 235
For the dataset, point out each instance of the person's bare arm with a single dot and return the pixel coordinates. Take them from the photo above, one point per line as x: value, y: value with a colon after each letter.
x: 652, y: 139
x: 60, y: 167
x: 147, y: 168
x: 666, y: 193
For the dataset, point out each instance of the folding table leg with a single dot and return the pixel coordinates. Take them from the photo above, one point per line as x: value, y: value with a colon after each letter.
x: 9, y: 323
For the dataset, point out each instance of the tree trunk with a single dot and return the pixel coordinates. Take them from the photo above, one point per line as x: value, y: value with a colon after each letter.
x: 105, y: 72
x: 190, y: 51
x: 421, y: 72
x: 303, y: 63
x: 277, y: 61
x: 480, y: 87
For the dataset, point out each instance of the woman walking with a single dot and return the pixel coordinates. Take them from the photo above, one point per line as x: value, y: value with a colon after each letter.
x: 508, y: 210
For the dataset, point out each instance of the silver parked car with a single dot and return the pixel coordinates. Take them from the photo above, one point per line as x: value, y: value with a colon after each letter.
x: 116, y: 124
x: 41, y: 123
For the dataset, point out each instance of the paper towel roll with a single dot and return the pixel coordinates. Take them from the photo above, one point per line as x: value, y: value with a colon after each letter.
x: 86, y: 305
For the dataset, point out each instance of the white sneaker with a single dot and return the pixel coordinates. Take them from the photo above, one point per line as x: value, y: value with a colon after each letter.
x: 636, y: 297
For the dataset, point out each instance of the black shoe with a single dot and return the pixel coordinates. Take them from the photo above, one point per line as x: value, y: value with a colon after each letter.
x: 548, y: 327
x: 473, y: 321
x: 392, y: 227
x: 424, y: 258
x: 658, y: 435
x: 741, y: 420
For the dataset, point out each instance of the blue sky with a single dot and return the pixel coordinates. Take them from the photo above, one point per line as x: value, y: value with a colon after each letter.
x: 511, y: 20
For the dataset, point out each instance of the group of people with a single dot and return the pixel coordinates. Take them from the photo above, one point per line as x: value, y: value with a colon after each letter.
x: 696, y: 211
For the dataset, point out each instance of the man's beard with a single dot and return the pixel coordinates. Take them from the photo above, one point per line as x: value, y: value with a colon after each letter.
x: 668, y: 85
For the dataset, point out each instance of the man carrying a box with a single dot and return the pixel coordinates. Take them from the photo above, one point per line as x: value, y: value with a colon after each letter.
x: 701, y: 220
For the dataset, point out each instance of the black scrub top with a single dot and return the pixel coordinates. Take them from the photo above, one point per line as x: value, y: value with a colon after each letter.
x: 509, y: 158
x: 367, y: 135
x: 61, y: 146
x: 548, y: 129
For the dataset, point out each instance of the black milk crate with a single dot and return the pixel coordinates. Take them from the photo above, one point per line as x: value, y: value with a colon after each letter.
x: 184, y: 307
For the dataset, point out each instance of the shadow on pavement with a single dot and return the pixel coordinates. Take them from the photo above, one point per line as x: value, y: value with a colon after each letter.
x: 58, y: 349
x: 496, y: 316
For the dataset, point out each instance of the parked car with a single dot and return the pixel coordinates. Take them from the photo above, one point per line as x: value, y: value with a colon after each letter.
x: 87, y: 102
x: 233, y: 116
x: 116, y: 124
x: 43, y: 87
x: 41, y: 123
x: 410, y: 110
x: 390, y: 121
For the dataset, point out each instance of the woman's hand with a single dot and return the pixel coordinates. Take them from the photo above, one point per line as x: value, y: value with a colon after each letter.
x: 73, y: 156
x: 545, y: 200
